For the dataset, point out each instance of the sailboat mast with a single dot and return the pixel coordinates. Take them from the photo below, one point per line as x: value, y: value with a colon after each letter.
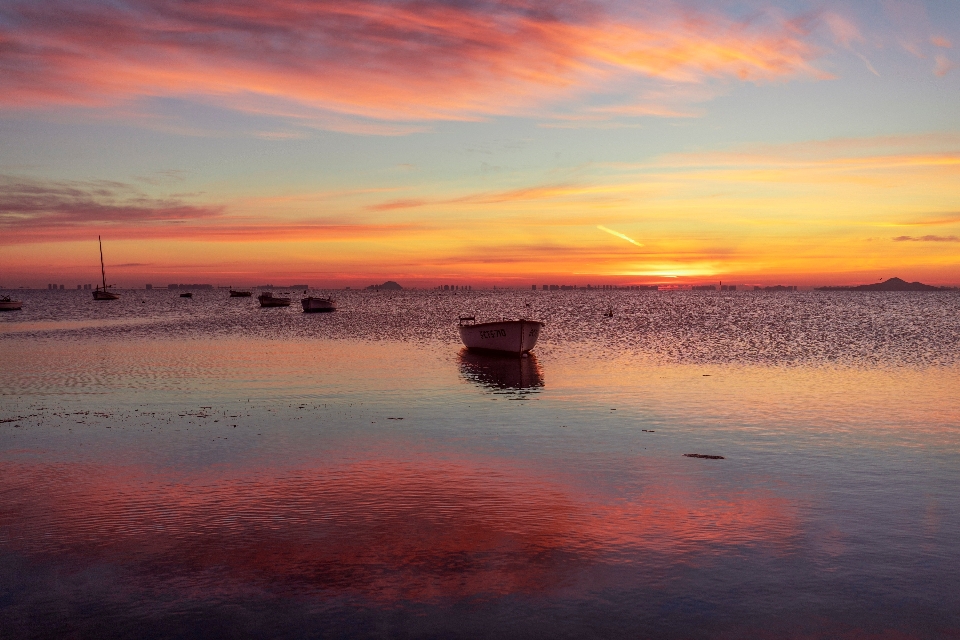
x: 102, y: 272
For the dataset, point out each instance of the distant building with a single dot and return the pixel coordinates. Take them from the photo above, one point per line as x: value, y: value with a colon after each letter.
x: 728, y: 287
x: 149, y: 286
x: 299, y: 286
x: 704, y: 287
x: 778, y: 287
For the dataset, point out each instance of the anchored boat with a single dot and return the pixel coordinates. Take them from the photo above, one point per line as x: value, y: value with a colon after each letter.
x: 103, y: 294
x: 9, y: 304
x: 267, y: 299
x: 314, y: 305
x: 240, y: 294
x: 505, y: 336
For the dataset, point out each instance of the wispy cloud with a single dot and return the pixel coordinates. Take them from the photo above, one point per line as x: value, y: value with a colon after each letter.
x: 943, y: 65
x: 619, y: 235
x: 926, y: 239
x: 344, y: 65
x: 34, y: 210
x: 28, y: 203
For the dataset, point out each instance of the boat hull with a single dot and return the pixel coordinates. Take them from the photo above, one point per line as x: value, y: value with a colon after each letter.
x: 105, y: 295
x: 507, y: 336
x: 240, y: 294
x: 10, y: 305
x: 318, y: 305
x: 270, y: 301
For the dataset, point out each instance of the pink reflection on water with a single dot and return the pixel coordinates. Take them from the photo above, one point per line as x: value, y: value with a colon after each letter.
x: 388, y: 529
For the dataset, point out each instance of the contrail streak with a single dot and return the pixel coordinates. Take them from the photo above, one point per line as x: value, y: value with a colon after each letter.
x: 619, y: 235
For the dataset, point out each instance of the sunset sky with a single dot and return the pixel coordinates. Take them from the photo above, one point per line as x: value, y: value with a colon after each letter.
x: 502, y: 142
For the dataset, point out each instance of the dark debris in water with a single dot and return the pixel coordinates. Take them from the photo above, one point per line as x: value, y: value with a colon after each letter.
x: 703, y: 456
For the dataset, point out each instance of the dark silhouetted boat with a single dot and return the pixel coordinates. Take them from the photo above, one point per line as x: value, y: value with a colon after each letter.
x: 188, y: 294
x: 9, y: 304
x: 267, y: 299
x: 506, y: 336
x: 314, y: 305
x: 240, y: 294
x: 103, y: 294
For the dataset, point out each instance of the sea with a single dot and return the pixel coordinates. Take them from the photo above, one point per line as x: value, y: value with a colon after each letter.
x: 699, y: 465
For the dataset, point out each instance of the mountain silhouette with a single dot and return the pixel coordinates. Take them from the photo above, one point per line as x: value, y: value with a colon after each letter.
x: 893, y: 284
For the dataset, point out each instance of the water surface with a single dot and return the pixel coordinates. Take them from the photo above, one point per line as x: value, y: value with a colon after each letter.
x: 206, y: 468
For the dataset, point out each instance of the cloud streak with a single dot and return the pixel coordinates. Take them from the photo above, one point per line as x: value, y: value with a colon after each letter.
x: 55, y: 211
x: 371, y: 61
x: 619, y: 235
x: 926, y: 239
x: 27, y: 203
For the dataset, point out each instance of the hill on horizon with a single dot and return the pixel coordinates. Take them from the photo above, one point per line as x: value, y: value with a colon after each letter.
x: 893, y: 284
x: 389, y: 285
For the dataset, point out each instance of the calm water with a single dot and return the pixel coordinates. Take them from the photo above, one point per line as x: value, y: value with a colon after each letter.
x: 205, y: 468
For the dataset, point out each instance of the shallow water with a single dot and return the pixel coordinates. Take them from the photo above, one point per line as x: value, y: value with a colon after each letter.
x: 205, y: 468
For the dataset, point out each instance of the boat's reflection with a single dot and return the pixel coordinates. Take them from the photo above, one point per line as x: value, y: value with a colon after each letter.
x: 502, y: 373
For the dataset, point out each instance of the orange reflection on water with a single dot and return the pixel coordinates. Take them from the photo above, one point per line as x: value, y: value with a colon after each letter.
x: 384, y: 528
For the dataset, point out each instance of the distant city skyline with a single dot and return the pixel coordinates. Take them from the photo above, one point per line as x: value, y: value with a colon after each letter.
x: 480, y: 143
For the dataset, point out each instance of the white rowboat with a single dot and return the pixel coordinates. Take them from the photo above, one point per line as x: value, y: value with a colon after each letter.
x: 508, y: 336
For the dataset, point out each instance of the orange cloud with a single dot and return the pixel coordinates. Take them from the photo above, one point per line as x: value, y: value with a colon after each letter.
x: 800, y: 209
x: 347, y: 65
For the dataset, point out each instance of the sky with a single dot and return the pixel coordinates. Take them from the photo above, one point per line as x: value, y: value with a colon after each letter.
x: 501, y: 142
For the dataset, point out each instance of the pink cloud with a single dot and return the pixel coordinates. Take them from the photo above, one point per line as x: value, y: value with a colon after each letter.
x: 371, y: 60
x: 941, y: 41
x: 943, y: 65
x: 844, y: 31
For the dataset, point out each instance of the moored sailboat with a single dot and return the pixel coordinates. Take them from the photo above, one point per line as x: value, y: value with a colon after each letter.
x: 103, y: 294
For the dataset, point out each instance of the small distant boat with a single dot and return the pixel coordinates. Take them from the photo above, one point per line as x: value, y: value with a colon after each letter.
x: 103, y: 294
x: 240, y: 294
x: 267, y: 299
x: 188, y: 294
x: 8, y: 304
x: 313, y: 305
x: 506, y: 336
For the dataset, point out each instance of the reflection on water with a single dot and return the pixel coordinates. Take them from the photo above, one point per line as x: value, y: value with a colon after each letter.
x: 502, y: 372
x: 423, y: 528
x: 289, y: 478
